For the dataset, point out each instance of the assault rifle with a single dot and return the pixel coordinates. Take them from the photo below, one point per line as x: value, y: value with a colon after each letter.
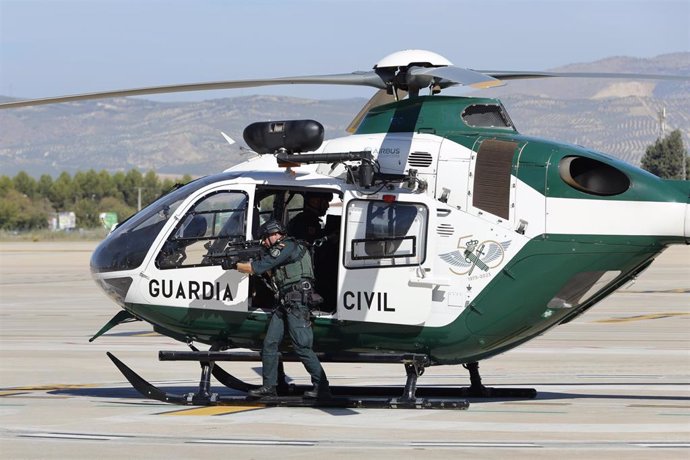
x: 236, y: 251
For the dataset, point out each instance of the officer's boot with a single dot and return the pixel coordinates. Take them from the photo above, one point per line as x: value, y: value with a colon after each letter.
x: 320, y: 391
x: 263, y: 391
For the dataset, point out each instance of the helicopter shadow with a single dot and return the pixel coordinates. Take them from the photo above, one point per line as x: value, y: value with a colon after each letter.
x: 130, y: 397
x: 545, y: 395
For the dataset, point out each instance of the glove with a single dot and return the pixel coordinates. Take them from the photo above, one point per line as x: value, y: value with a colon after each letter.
x: 228, y: 264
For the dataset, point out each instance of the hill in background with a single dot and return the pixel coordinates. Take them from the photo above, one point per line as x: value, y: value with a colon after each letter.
x: 616, y: 117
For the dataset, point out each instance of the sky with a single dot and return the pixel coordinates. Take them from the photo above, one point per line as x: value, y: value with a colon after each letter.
x: 58, y: 47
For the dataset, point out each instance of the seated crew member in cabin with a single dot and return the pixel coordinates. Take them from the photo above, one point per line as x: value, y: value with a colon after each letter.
x: 307, y: 225
x: 290, y: 266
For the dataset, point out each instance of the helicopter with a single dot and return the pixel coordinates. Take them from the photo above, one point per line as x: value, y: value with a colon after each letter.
x: 452, y: 238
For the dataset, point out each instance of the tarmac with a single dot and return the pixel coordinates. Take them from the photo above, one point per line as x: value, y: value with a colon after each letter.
x: 612, y: 384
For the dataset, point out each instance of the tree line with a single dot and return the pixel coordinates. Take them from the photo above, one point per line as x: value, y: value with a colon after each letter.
x: 27, y: 203
x: 668, y: 157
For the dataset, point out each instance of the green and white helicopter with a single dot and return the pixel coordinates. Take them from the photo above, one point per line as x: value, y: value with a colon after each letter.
x: 453, y: 237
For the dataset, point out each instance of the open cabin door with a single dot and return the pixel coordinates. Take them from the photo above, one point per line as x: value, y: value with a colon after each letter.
x: 384, y: 251
x: 180, y: 273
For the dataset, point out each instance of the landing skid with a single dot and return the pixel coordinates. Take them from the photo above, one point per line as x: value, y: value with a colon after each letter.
x: 475, y: 390
x: 342, y: 396
x: 203, y: 397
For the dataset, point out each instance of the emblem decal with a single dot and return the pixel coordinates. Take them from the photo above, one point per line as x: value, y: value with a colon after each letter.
x: 275, y: 252
x: 484, y: 255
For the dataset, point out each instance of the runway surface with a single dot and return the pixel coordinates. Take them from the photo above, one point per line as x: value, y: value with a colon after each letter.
x: 612, y: 384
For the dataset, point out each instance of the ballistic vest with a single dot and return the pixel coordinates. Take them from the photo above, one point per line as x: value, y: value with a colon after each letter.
x: 298, y: 267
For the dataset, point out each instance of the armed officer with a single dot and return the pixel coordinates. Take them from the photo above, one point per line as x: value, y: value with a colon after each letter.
x: 307, y: 225
x: 289, y: 262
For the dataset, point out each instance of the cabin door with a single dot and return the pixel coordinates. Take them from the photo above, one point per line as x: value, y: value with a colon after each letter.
x: 182, y: 274
x: 384, y: 251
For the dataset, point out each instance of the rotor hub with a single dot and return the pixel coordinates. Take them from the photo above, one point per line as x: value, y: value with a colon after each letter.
x: 394, y: 70
x: 408, y: 57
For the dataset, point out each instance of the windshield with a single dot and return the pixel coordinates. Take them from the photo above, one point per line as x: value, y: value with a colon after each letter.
x: 126, y: 247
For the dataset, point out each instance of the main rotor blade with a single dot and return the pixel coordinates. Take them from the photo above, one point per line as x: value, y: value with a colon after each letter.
x: 355, y: 78
x: 420, y: 77
x: 523, y: 75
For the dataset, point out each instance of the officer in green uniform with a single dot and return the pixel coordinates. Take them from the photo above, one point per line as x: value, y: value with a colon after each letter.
x: 291, y: 269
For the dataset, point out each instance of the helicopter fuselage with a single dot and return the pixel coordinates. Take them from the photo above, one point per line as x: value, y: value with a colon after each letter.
x: 472, y: 240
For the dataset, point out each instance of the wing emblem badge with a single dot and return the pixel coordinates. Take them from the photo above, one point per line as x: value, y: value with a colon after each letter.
x: 474, y: 254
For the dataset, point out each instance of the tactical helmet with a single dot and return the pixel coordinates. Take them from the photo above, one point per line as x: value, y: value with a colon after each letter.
x: 328, y: 196
x: 270, y: 227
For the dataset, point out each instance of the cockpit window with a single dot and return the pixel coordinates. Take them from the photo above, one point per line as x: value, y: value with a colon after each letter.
x: 126, y: 247
x: 213, y: 222
x: 486, y: 116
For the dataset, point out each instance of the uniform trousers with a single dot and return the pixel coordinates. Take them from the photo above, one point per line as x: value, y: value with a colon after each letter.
x: 296, y: 317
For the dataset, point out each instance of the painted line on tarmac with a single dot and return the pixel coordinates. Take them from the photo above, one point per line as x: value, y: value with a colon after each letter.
x: 473, y: 444
x: 252, y: 442
x: 344, y: 443
x: 662, y: 445
x: 79, y: 436
x: 626, y: 319
x: 58, y: 386
x: 29, y: 390
x: 519, y: 411
x: 661, y: 406
x: 529, y: 445
x: 215, y: 410
x: 12, y: 393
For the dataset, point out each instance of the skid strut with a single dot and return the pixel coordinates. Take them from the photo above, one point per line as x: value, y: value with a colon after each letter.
x: 414, y: 367
x: 204, y: 394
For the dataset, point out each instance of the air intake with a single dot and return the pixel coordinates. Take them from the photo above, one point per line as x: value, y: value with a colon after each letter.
x: 420, y: 159
x: 445, y: 230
